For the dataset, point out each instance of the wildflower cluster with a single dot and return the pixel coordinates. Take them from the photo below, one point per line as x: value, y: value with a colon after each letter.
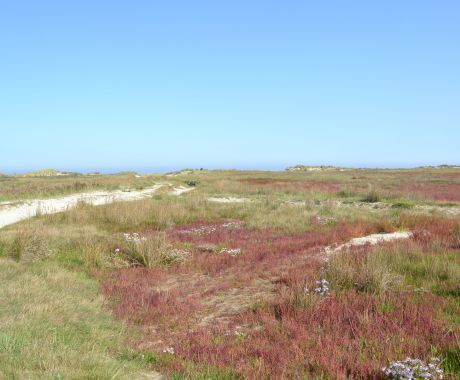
x: 134, y: 237
x: 169, y: 350
x: 232, y: 252
x: 323, y: 287
x: 207, y: 230
x: 239, y: 332
x: 324, y: 220
x: 203, y: 230
x: 178, y: 255
x: 412, y: 369
x: 230, y: 225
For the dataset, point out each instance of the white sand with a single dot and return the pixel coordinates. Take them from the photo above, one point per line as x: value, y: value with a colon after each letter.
x: 181, y: 190
x: 370, y: 239
x: 12, y: 213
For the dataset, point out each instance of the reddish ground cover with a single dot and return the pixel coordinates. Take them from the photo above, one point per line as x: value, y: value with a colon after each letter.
x: 445, y: 187
x: 344, y: 336
x: 433, y: 229
x: 211, y: 294
x: 204, y: 308
x: 449, y: 192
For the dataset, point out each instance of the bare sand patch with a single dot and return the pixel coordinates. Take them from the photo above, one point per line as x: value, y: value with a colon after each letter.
x: 370, y: 239
x: 181, y: 190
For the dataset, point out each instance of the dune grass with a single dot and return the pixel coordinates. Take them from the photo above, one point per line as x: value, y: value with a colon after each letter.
x: 53, y: 325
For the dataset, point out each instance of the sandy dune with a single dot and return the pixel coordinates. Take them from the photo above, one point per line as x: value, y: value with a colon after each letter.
x: 11, y: 213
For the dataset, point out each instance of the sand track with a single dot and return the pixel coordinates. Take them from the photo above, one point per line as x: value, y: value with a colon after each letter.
x: 11, y: 213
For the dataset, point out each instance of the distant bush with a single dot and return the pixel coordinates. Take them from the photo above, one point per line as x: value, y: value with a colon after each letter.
x: 371, y: 197
x: 192, y: 183
x: 345, y: 194
x: 403, y: 205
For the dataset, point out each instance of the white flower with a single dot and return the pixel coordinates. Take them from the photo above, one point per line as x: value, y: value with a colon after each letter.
x: 412, y: 369
x: 323, y: 287
x: 134, y: 237
x: 231, y: 252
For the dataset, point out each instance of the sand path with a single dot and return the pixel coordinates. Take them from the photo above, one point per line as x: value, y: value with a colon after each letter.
x: 11, y: 213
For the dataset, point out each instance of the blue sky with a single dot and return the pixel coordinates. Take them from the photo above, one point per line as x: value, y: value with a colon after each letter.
x: 111, y: 85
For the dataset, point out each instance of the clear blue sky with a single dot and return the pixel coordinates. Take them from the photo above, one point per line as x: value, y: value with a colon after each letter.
x: 90, y: 85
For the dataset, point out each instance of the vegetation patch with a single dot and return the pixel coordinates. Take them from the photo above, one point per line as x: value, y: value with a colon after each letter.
x: 53, y: 325
x: 234, y: 289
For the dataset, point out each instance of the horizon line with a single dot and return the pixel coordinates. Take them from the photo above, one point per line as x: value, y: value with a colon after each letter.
x: 177, y: 168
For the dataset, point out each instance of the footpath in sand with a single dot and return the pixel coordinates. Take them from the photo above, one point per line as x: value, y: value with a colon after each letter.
x: 11, y: 213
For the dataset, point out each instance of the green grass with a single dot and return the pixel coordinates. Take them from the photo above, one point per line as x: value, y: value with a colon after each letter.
x: 53, y: 325
x: 398, y: 268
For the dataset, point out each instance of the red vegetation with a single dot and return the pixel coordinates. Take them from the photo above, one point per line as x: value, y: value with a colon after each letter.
x: 439, y: 187
x: 430, y: 229
x: 341, y: 337
x: 188, y: 292
x: 149, y: 297
x: 185, y: 306
x: 263, y: 250
x: 203, y: 308
x: 437, y: 191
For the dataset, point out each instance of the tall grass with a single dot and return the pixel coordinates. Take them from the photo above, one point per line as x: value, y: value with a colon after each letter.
x: 53, y: 325
x: 372, y: 197
x: 154, y: 251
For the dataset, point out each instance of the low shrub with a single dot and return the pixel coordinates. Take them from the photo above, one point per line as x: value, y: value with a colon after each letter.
x: 345, y: 194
